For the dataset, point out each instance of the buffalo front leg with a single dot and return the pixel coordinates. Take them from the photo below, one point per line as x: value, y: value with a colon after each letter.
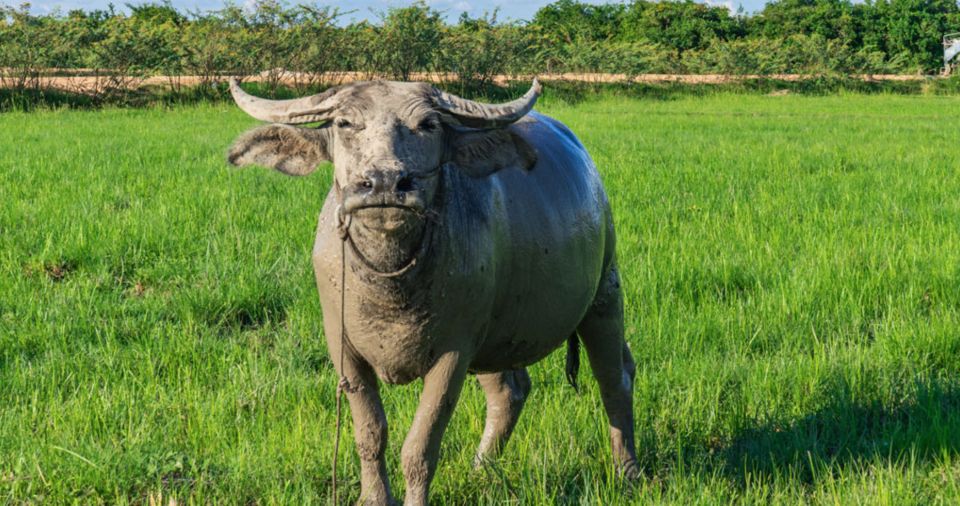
x: 602, y: 333
x: 421, y: 448
x: 369, y: 428
x: 506, y: 393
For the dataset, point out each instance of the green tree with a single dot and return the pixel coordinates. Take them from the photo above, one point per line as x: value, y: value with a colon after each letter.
x: 409, y: 38
x: 571, y: 20
x: 362, y: 50
x: 28, y: 45
x: 157, y: 13
x: 914, y: 29
x: 162, y: 26
x: 316, y: 45
x: 679, y: 25
x: 478, y: 49
x: 830, y: 19
x: 215, y: 43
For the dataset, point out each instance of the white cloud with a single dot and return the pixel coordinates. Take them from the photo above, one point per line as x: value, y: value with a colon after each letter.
x: 722, y: 3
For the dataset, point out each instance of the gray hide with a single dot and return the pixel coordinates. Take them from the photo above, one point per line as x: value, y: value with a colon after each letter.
x: 480, y: 240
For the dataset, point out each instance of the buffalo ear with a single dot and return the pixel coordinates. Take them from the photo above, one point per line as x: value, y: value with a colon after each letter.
x: 480, y: 153
x: 291, y: 150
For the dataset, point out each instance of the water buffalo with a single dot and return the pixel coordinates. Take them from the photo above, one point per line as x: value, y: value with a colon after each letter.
x: 474, y: 238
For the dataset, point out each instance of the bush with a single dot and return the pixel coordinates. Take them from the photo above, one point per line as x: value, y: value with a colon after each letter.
x: 28, y: 46
x: 303, y: 45
x: 477, y: 50
x: 408, y: 40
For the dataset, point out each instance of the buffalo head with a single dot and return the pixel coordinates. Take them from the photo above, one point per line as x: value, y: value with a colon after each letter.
x: 388, y: 142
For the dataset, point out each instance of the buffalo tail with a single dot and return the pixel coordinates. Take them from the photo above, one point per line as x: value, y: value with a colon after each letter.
x: 573, y: 361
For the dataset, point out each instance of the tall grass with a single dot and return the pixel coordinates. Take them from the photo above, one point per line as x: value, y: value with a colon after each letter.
x: 792, y: 275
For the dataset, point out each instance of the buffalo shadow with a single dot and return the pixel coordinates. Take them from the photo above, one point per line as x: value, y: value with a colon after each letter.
x: 843, y: 433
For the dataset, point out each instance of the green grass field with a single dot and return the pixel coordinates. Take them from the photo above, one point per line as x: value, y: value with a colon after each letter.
x: 792, y: 275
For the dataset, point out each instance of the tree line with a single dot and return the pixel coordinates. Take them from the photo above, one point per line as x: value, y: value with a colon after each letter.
x: 636, y: 37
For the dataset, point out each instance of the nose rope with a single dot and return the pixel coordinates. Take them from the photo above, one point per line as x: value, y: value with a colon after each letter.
x: 343, y: 229
x: 387, y: 274
x: 344, y: 220
x: 342, y: 384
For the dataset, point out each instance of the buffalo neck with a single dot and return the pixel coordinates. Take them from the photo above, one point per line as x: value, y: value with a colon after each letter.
x: 370, y: 254
x: 387, y: 254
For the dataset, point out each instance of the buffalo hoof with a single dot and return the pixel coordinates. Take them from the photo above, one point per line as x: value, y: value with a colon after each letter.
x: 479, y: 462
x: 630, y: 471
x: 378, y: 501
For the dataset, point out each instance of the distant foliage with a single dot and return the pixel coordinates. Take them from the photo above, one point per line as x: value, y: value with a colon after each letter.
x: 28, y: 44
x: 680, y: 25
x: 476, y: 50
x: 408, y: 40
x: 304, y: 44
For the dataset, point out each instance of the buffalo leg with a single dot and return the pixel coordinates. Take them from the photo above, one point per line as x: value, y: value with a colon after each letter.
x: 421, y: 448
x: 369, y: 426
x: 506, y: 392
x: 602, y: 333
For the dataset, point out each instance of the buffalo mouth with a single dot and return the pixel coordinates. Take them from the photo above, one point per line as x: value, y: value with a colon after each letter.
x: 403, y: 207
x: 388, y: 217
x: 385, y: 211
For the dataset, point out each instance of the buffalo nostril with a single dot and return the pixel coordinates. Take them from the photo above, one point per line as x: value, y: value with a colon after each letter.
x: 405, y: 184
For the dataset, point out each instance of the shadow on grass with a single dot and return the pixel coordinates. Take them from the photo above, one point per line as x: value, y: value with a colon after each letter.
x: 576, y: 92
x: 846, y: 433
x: 28, y: 100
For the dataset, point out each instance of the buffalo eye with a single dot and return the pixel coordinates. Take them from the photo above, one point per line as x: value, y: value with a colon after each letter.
x: 428, y: 125
x: 343, y: 123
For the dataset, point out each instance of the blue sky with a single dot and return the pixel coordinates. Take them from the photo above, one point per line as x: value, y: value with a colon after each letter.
x: 366, y: 9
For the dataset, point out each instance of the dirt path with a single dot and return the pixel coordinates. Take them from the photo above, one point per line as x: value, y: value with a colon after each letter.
x: 88, y: 84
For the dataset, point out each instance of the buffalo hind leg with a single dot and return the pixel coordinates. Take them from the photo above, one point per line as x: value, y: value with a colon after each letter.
x: 506, y: 392
x: 601, y: 331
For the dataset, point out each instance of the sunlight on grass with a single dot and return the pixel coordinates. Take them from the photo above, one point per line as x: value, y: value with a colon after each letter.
x: 791, y: 273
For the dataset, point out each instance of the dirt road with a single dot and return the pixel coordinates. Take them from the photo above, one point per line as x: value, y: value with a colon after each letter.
x: 92, y: 84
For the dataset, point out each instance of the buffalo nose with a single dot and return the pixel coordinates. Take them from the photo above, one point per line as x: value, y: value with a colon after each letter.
x: 383, y: 181
x: 404, y: 183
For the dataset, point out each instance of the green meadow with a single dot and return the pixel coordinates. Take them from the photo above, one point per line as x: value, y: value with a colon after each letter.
x: 792, y: 276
